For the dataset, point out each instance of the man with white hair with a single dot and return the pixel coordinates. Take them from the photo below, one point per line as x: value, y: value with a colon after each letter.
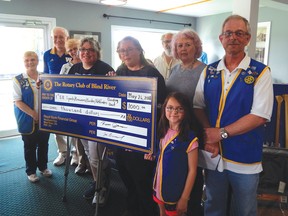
x: 53, y: 60
x: 165, y: 61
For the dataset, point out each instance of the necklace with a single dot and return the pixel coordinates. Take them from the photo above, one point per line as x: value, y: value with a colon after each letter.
x: 188, y: 66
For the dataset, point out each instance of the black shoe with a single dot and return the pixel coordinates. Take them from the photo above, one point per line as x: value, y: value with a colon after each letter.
x: 89, y: 193
x: 80, y: 170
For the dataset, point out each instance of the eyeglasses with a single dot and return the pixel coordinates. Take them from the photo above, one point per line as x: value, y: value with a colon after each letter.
x: 239, y: 34
x: 122, y: 51
x: 166, y: 41
x: 177, y: 110
x: 87, y: 50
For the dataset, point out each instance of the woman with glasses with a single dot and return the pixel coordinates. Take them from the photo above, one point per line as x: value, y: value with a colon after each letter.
x: 135, y: 171
x: 90, y: 55
x: 79, y: 157
x: 187, y: 47
x: 178, y: 159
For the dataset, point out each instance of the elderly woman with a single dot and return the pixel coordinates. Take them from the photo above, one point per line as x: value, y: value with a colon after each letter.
x: 135, y: 171
x: 72, y: 47
x: 25, y: 96
x: 90, y: 54
x: 187, y: 47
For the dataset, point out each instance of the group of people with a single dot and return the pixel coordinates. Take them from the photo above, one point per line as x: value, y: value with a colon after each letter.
x: 220, y: 107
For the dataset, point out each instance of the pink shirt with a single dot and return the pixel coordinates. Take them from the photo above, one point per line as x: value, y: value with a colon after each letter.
x: 169, y: 135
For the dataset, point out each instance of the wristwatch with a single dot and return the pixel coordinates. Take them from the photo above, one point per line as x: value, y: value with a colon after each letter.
x: 223, y: 133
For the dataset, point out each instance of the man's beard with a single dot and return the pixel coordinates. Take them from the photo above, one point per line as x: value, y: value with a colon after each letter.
x: 168, y: 52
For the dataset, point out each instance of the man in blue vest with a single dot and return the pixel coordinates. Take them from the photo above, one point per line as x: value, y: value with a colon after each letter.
x: 233, y: 100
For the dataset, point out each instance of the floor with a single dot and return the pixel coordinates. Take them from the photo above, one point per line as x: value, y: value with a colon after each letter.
x: 19, y: 197
x: 273, y: 210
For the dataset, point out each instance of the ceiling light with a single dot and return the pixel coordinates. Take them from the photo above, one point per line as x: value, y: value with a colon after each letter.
x: 113, y: 2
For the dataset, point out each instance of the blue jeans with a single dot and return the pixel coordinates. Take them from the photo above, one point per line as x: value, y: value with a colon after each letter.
x: 244, y: 192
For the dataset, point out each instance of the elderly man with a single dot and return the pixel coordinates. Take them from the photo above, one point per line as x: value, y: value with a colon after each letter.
x: 53, y: 60
x: 233, y: 100
x: 165, y: 62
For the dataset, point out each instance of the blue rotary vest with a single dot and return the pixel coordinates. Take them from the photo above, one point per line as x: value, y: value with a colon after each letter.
x: 25, y: 122
x: 224, y: 109
x: 173, y: 165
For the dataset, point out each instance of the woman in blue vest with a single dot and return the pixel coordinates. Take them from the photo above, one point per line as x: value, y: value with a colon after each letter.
x: 25, y: 97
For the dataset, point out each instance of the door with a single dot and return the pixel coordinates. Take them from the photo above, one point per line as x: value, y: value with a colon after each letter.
x: 18, y: 34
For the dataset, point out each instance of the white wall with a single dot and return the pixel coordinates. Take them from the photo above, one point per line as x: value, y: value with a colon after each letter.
x: 89, y: 17
x: 209, y: 29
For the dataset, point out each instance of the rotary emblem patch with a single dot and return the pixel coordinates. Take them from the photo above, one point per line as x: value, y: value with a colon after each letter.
x: 249, y: 79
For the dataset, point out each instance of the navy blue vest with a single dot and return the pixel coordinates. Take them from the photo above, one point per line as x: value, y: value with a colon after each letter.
x: 173, y: 162
x: 223, y: 110
x: 25, y: 122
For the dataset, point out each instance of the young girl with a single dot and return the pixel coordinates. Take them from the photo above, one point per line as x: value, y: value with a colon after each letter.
x: 177, y: 162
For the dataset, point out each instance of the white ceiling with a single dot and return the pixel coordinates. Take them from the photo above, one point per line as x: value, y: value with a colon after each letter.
x: 193, y: 8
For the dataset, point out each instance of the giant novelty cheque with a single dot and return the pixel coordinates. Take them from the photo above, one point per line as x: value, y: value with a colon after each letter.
x: 119, y: 111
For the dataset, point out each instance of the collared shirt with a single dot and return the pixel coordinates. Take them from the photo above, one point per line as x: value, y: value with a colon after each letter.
x: 261, y: 106
x: 53, y: 62
x: 163, y: 67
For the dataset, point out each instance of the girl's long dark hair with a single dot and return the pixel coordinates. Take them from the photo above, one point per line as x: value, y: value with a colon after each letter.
x: 184, y: 126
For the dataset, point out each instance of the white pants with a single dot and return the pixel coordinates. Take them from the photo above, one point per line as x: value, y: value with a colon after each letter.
x: 61, y: 142
x: 94, y: 152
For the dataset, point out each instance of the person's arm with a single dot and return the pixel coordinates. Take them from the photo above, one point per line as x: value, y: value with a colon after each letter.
x: 260, y: 112
x: 199, y: 111
x: 192, y: 172
x: 203, y: 120
x: 25, y: 108
x: 201, y: 117
x: 45, y: 69
x: 241, y: 126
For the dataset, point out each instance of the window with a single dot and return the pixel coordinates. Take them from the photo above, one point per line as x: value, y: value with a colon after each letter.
x: 18, y: 34
x: 150, y: 40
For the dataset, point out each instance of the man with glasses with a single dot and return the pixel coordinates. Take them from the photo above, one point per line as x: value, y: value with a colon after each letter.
x: 233, y: 100
x: 165, y: 62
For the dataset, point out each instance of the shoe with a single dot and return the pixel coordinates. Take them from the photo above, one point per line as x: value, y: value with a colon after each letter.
x: 74, y: 159
x: 103, y: 196
x: 80, y: 170
x: 88, y: 171
x: 60, y: 160
x: 46, y: 173
x: 33, y: 178
x: 89, y: 193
